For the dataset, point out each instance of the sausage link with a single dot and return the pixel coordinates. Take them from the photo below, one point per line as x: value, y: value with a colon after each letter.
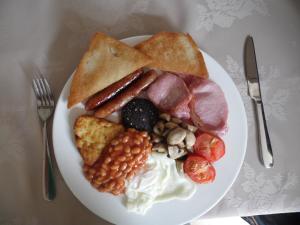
x: 110, y: 91
x: 125, y: 96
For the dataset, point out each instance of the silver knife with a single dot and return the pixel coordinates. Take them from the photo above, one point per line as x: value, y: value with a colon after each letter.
x: 255, y: 94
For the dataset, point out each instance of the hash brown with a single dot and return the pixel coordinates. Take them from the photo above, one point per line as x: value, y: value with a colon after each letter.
x: 92, y: 135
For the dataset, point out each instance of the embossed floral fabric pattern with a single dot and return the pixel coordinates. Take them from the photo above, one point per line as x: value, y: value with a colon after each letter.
x: 223, y: 13
x: 258, y: 192
x: 54, y: 35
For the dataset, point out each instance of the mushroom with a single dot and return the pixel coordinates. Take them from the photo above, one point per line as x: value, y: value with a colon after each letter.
x: 181, y: 145
x: 179, y: 167
x: 176, y: 136
x: 171, y: 125
x: 155, y: 138
x: 174, y: 152
x: 192, y: 128
x: 159, y: 127
x: 159, y: 147
x: 189, y: 139
x: 165, y: 117
x: 189, y: 127
x: 176, y: 120
x: 190, y: 149
x: 166, y: 132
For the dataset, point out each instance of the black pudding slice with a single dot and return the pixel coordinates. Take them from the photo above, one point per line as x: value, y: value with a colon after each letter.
x: 140, y: 114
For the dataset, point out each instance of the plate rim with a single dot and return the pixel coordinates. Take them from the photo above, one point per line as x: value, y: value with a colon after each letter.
x: 144, y: 37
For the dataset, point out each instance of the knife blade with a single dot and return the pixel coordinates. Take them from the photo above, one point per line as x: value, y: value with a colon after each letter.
x: 252, y: 77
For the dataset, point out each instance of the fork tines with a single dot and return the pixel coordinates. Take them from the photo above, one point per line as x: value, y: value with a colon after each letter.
x: 42, y: 90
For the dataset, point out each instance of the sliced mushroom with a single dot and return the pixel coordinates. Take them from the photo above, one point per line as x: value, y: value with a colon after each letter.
x: 165, y: 117
x: 192, y: 128
x: 179, y: 167
x: 174, y: 152
x: 159, y: 127
x: 176, y: 136
x: 190, y: 149
x: 181, y: 145
x: 184, y: 125
x: 155, y: 138
x: 159, y: 147
x: 189, y: 139
x: 171, y: 125
x: 189, y: 127
x: 156, y: 130
x: 176, y: 120
x: 166, y: 132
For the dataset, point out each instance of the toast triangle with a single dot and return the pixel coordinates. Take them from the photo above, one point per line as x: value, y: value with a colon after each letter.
x: 106, y: 61
x: 174, y: 52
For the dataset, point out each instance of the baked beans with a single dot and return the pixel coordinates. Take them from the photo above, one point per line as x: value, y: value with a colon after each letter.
x: 120, y: 161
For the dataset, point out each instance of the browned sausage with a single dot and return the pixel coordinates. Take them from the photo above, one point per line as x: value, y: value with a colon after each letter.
x: 126, y: 95
x: 110, y: 91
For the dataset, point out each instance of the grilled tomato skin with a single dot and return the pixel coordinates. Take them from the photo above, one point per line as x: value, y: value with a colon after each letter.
x: 199, y: 169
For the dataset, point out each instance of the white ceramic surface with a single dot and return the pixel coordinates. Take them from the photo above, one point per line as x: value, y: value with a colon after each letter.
x: 110, y: 207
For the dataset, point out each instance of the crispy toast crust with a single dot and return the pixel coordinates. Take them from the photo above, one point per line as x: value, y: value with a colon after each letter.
x: 174, y: 52
x: 106, y: 61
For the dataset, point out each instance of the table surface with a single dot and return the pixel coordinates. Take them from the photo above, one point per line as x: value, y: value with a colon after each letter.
x: 54, y: 35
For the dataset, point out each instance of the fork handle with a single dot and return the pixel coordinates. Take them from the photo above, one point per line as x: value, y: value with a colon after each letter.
x: 49, y: 191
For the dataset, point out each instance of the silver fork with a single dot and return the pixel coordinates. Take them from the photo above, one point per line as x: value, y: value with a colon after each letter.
x: 45, y: 107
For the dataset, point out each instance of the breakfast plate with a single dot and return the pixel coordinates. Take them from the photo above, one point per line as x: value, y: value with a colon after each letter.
x: 110, y: 207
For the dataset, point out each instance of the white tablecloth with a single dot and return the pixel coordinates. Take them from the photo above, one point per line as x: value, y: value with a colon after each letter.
x: 54, y: 34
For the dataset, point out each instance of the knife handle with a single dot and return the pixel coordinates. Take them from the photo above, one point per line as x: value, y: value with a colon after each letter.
x: 263, y: 136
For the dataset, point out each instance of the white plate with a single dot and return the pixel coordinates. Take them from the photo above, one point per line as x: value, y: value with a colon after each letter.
x: 173, y: 212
